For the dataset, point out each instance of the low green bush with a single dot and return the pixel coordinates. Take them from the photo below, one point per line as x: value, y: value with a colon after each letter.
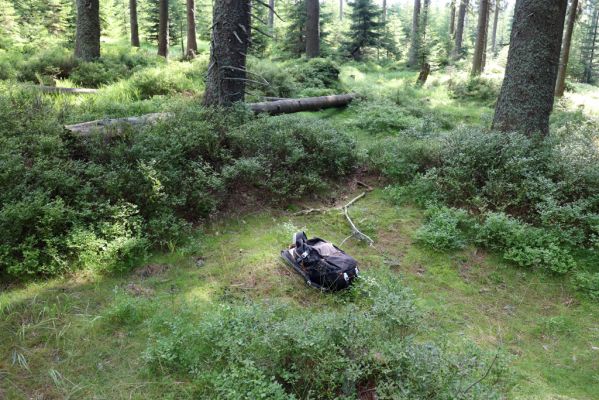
x: 93, y: 203
x: 475, y: 89
x: 283, y: 352
x: 588, y: 283
x: 444, y: 229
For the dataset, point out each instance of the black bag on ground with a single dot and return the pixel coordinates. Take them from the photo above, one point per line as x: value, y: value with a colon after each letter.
x: 322, y: 264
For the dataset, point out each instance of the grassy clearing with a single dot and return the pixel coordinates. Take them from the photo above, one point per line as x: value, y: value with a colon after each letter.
x: 84, y: 336
x: 81, y: 337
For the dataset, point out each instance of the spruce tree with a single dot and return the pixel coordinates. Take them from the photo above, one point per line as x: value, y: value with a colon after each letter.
x: 366, y: 28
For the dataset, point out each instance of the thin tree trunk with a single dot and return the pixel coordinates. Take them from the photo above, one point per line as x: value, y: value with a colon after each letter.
x: 192, y: 43
x: 477, y: 61
x: 271, y: 15
x: 133, y: 22
x: 415, y: 40
x: 486, y: 38
x: 384, y: 11
x: 459, y: 30
x: 495, y: 22
x: 560, y: 85
x: 226, y: 76
x: 340, y: 10
x: 526, y: 98
x: 452, y: 17
x: 312, y: 28
x: 163, y: 29
x: 588, y: 75
x: 87, y: 39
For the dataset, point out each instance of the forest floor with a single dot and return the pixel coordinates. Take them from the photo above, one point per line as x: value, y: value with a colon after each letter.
x: 60, y: 340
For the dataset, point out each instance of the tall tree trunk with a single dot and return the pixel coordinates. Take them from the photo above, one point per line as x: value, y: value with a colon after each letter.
x: 312, y: 28
x: 226, y: 76
x: 526, y: 98
x: 163, y: 28
x: 459, y: 30
x: 133, y: 22
x: 486, y: 37
x: 87, y: 39
x: 495, y: 22
x: 192, y: 43
x: 384, y: 11
x: 452, y: 17
x: 477, y: 61
x: 340, y: 10
x: 415, y: 42
x: 271, y: 15
x: 560, y: 85
x: 588, y: 69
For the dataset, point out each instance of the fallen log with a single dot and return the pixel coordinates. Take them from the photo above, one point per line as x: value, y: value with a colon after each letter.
x: 87, y: 128
x: 55, y: 89
x: 302, y: 104
x: 272, y: 107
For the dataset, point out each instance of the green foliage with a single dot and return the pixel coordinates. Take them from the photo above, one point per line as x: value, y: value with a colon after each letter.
x: 282, y: 351
x: 588, y: 283
x: 524, y: 245
x: 475, y: 89
x: 303, y: 78
x: 100, y: 204
x: 444, y: 229
x: 366, y: 30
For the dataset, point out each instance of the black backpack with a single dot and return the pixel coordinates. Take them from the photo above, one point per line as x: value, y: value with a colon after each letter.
x: 322, y: 264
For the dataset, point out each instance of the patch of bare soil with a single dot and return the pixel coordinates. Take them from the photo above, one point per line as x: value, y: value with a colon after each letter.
x: 138, y: 290
x: 151, y: 270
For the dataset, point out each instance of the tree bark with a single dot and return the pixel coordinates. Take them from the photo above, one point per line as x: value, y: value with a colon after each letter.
x: 117, y: 124
x: 312, y: 28
x: 226, y: 76
x: 526, y: 98
x: 560, y: 85
x: 459, y: 30
x: 481, y: 36
x: 133, y: 22
x: 588, y: 69
x: 452, y: 17
x: 425, y: 70
x: 163, y: 35
x: 495, y: 22
x: 340, y: 10
x: 271, y: 15
x: 87, y: 38
x: 415, y: 39
x: 384, y: 11
x: 192, y: 43
x: 304, y: 104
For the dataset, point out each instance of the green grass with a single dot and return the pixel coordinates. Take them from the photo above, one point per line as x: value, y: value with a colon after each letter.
x: 73, y: 338
x: 78, y: 336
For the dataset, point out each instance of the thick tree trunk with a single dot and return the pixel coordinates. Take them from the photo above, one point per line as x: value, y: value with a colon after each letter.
x: 452, y: 17
x: 87, y: 39
x: 163, y: 29
x: 560, y: 85
x: 305, y: 104
x: 192, y: 43
x: 312, y: 28
x: 481, y: 36
x: 526, y: 98
x: 271, y: 15
x: 226, y: 76
x: 495, y: 22
x: 459, y: 30
x: 133, y: 22
x: 415, y: 39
